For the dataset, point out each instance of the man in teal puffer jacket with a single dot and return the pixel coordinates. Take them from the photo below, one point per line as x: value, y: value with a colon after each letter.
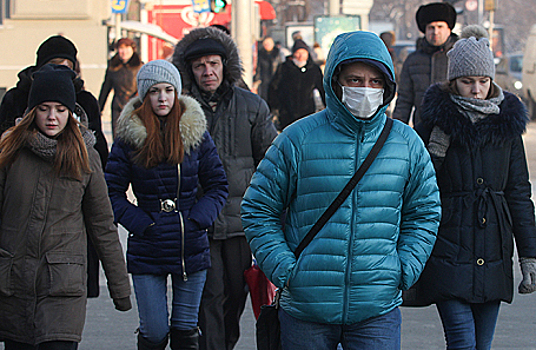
x: 346, y: 285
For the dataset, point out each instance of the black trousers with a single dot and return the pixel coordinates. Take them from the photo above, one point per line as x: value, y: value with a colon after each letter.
x: 225, y: 293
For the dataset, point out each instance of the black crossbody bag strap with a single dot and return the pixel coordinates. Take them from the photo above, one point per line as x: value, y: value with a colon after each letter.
x: 347, y: 189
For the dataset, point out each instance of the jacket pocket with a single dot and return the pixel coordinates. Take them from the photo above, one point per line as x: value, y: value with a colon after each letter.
x: 66, y: 274
x: 6, y: 268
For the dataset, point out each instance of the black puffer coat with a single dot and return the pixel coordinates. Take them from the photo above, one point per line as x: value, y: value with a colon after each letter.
x: 424, y: 67
x: 241, y: 127
x: 485, y: 194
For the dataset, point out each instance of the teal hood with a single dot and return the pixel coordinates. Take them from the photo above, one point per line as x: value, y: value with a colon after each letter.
x: 357, y: 45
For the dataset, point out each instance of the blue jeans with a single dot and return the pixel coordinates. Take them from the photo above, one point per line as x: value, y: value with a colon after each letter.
x: 377, y: 333
x: 151, y: 296
x: 468, y: 326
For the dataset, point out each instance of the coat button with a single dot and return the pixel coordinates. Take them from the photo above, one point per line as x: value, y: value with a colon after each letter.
x: 480, y: 181
x: 480, y: 261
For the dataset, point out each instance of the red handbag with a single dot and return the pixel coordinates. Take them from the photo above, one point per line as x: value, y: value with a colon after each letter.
x: 262, y: 291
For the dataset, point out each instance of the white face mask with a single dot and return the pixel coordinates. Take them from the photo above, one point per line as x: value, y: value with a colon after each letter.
x: 362, y: 102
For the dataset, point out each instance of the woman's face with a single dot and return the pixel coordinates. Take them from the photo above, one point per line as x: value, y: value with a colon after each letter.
x: 473, y: 87
x: 162, y: 97
x: 51, y: 118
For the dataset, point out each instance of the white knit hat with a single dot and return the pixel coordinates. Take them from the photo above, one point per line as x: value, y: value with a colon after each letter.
x: 471, y: 55
x: 155, y: 72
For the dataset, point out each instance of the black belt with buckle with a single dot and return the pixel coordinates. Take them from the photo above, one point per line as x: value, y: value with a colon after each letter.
x: 168, y: 205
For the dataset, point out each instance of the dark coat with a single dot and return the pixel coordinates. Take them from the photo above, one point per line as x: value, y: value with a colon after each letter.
x: 166, y: 242
x: 46, y: 221
x: 121, y: 77
x: 14, y: 105
x: 291, y: 90
x: 422, y: 68
x: 241, y: 127
x: 485, y: 194
x: 267, y: 63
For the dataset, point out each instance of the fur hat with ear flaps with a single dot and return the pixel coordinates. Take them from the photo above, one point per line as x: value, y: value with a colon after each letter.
x: 471, y: 55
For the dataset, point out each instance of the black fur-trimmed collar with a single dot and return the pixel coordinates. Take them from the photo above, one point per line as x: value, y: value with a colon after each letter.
x: 438, y: 109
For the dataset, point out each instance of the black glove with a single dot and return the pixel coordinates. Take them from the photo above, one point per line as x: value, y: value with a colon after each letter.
x: 528, y: 269
x: 122, y: 304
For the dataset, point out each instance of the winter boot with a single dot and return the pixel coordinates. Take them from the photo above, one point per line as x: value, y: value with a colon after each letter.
x: 144, y: 344
x: 185, y: 340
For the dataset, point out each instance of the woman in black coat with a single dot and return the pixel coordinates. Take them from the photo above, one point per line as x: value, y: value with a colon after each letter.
x: 473, y: 131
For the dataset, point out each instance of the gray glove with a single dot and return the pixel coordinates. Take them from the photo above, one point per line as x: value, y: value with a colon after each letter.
x: 528, y: 269
x: 439, y: 142
x: 122, y: 304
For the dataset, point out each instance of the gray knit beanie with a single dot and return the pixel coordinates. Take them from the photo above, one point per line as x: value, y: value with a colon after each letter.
x: 156, y: 72
x: 471, y: 55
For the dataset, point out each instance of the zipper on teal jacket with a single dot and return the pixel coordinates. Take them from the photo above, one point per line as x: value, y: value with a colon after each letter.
x: 359, y: 141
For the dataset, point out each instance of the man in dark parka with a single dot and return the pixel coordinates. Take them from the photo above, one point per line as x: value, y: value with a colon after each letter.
x: 429, y: 63
x: 240, y: 123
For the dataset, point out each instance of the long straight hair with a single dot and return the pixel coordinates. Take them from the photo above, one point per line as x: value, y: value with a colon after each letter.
x: 166, y: 146
x: 71, y: 153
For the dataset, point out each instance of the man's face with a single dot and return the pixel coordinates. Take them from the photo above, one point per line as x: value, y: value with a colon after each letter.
x: 301, y: 55
x: 208, y: 72
x: 268, y: 44
x: 125, y: 52
x: 359, y: 74
x: 437, y: 33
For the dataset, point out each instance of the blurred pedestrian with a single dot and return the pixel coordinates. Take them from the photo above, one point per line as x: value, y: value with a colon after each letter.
x: 473, y: 130
x: 165, y: 153
x: 58, y: 49
x: 54, y: 199
x: 120, y: 77
x: 240, y: 123
x: 429, y: 63
x: 268, y: 59
x: 291, y: 94
x: 345, y: 287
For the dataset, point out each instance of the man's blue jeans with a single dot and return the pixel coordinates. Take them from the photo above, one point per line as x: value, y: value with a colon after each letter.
x: 468, y: 326
x: 377, y: 333
x: 151, y: 296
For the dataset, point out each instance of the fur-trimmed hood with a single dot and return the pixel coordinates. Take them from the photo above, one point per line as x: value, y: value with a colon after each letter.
x: 232, y: 67
x: 438, y: 109
x: 193, y: 124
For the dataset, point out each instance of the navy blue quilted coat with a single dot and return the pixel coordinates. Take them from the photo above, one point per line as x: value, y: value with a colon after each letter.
x: 378, y: 241
x: 166, y: 242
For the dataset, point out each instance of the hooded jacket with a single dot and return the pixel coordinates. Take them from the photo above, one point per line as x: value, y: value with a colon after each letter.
x: 163, y: 242
x: 240, y: 125
x: 485, y: 194
x: 377, y: 242
x: 291, y: 90
x: 45, y: 223
x: 422, y: 68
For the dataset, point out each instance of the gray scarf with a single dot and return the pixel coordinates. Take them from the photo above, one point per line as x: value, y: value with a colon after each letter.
x: 477, y: 109
x: 45, y: 147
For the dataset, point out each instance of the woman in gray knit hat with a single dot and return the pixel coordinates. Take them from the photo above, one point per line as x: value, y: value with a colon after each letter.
x: 473, y: 129
x: 165, y: 153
